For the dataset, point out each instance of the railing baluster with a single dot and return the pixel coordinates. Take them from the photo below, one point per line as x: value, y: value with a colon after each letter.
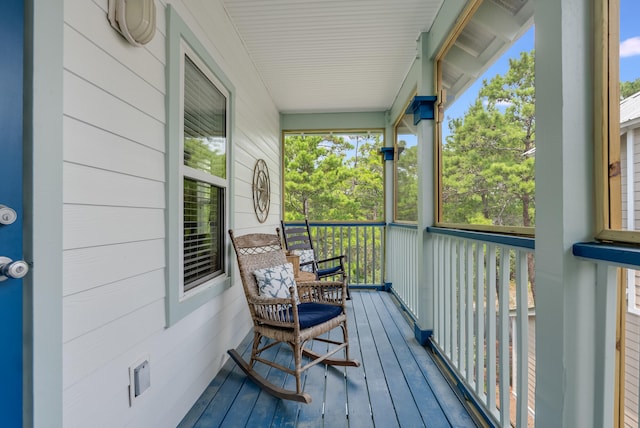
x: 436, y: 288
x: 480, y: 314
x: 503, y: 329
x: 491, y: 330
x: 447, y: 296
x: 461, y: 294
x: 521, y: 335
x: 469, y: 313
x: 363, y: 245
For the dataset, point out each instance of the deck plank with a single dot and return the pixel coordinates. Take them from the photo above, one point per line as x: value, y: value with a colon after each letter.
x: 357, y: 392
x: 245, y: 403
x: 310, y: 415
x: 398, y: 383
x: 428, y: 406
x: 456, y: 413
x: 382, y: 409
x: 268, y: 405
x: 335, y: 400
x: 392, y: 368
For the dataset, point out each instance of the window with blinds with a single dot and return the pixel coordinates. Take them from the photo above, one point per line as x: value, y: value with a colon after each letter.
x: 204, y: 177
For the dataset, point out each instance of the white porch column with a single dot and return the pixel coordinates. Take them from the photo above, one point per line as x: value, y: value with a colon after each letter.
x: 426, y: 183
x: 565, y: 286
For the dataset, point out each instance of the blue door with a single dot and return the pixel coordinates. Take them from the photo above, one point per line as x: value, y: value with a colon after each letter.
x: 11, y: 266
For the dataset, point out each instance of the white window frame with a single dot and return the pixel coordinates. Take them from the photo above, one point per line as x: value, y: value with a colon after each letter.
x: 180, y: 42
x: 201, y: 176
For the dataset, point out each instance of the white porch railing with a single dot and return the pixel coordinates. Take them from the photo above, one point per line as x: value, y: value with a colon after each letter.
x: 607, y: 259
x: 402, y: 265
x: 478, y: 279
x: 363, y: 243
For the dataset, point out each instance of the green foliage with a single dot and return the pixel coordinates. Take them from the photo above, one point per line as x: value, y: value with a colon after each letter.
x: 407, y: 182
x: 207, y: 155
x: 488, y: 163
x: 327, y: 178
x: 629, y: 88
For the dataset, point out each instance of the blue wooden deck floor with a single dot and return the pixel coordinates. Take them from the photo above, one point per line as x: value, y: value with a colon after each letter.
x: 397, y: 385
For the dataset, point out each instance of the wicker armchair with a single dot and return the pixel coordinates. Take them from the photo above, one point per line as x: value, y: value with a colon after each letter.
x: 321, y: 308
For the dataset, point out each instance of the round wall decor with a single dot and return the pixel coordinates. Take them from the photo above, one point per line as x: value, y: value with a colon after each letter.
x: 261, y: 190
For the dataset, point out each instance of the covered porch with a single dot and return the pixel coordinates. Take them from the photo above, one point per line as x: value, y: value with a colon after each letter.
x: 440, y: 316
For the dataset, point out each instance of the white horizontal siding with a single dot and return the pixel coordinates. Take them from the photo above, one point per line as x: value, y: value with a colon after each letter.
x: 87, y: 226
x: 90, y: 104
x: 114, y: 218
x: 84, y: 312
x: 98, y: 398
x: 87, y: 185
x: 87, y: 268
x: 111, y: 76
x: 90, y: 352
x: 90, y: 146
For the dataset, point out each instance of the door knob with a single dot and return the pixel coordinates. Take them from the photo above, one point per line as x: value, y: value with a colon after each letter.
x: 11, y: 269
x: 7, y: 215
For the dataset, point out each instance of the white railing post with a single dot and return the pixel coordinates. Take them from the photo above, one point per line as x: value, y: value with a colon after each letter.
x: 605, y: 343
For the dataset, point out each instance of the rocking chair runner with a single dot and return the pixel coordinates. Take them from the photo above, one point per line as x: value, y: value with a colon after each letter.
x: 283, y: 320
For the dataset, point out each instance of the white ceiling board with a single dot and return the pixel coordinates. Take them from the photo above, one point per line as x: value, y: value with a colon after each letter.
x: 332, y: 55
x: 318, y: 56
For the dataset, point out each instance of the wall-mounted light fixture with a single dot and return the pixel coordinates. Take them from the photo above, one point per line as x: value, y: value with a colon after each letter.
x: 134, y: 19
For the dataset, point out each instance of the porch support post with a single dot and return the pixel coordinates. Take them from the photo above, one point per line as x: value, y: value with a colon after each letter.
x: 43, y: 287
x: 565, y: 286
x: 426, y: 183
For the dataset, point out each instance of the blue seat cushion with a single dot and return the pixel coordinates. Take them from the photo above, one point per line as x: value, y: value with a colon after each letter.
x: 329, y: 271
x: 311, y: 314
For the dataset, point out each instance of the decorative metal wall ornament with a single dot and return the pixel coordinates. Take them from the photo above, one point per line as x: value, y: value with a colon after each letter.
x: 261, y: 187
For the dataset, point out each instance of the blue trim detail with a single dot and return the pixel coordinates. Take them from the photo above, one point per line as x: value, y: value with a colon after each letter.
x: 512, y: 241
x: 387, y: 153
x: 377, y: 287
x: 387, y: 286
x: 403, y: 225
x: 336, y: 224
x: 462, y: 388
x: 422, y: 107
x: 627, y: 256
x: 422, y: 336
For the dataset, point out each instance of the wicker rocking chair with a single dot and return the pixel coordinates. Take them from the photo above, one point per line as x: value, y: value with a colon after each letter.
x: 282, y: 319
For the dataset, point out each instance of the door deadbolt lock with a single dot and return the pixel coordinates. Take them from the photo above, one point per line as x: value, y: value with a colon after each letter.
x: 11, y: 269
x: 7, y: 215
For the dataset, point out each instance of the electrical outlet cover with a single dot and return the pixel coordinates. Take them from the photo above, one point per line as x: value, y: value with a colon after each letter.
x: 139, y: 378
x: 142, y: 378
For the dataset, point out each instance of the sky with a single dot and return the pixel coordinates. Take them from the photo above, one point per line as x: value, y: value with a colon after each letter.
x: 629, y: 58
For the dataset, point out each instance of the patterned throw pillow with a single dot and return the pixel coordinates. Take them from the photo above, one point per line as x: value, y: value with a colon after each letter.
x: 305, y: 256
x: 275, y: 281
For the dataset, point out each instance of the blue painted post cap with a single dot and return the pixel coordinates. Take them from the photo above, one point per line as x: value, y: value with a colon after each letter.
x: 422, y: 107
x: 387, y: 153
